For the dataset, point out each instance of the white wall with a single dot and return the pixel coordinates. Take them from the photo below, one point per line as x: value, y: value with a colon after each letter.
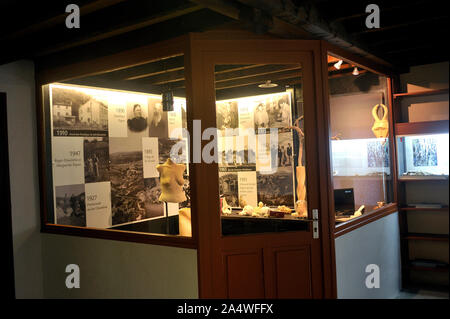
x: 17, y: 80
x: 375, y: 243
x: 109, y: 269
x: 114, y: 269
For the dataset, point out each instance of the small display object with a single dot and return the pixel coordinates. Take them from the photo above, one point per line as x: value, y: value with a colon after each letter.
x: 381, y: 126
x: 423, y: 156
x: 171, y: 181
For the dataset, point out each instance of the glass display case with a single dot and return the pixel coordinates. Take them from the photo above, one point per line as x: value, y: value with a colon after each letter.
x: 423, y: 156
x: 262, y: 178
x: 359, y: 139
x: 111, y: 140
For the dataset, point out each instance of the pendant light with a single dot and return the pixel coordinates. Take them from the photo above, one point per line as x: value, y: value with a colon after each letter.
x: 338, y: 64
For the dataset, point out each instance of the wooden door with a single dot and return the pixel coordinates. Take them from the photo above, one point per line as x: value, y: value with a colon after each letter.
x: 279, y: 261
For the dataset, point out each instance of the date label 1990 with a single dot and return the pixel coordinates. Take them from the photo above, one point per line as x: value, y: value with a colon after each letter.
x: 257, y: 308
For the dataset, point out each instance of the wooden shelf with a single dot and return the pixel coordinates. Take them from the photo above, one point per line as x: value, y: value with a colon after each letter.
x: 426, y: 236
x: 435, y: 269
x: 421, y: 93
x: 422, y: 179
x: 438, y: 181
x: 441, y: 209
x: 418, y: 128
x: 415, y: 287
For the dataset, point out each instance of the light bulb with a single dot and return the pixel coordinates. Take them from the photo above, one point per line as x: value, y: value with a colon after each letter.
x: 355, y: 71
x: 338, y: 64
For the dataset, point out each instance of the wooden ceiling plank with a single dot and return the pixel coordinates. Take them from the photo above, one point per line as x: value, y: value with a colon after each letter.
x: 120, y: 30
x: 264, y: 70
x: 258, y: 80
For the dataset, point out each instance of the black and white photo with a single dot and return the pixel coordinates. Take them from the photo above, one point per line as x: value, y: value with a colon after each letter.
x: 96, y: 159
x: 227, y: 115
x: 280, y: 111
x: 168, y: 149
x: 137, y: 117
x: 261, y: 115
x: 70, y: 205
x: 228, y: 187
x: 425, y: 152
x: 127, y: 180
x: 157, y: 119
x: 78, y: 111
x: 285, y: 150
x: 276, y: 189
x: 377, y: 154
x: 150, y: 197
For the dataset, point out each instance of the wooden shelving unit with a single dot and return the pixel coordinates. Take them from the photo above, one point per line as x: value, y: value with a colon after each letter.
x: 426, y: 127
x: 421, y: 93
x: 418, y: 128
x: 442, y: 209
x: 425, y: 236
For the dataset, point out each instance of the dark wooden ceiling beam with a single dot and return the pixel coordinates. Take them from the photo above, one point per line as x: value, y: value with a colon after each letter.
x: 59, y: 19
x: 118, y: 30
x: 384, y: 9
x: 258, y: 71
x: 256, y: 80
x: 234, y: 67
x: 397, y: 26
x: 288, y: 81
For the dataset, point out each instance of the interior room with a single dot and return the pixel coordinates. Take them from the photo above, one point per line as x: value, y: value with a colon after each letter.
x: 225, y: 150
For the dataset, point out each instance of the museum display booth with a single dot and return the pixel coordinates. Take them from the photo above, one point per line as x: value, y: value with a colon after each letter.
x: 239, y: 147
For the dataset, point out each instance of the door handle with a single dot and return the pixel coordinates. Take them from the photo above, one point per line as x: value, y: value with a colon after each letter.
x: 315, y: 223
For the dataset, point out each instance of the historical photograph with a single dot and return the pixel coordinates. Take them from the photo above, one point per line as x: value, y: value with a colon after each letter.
x: 227, y: 114
x: 165, y: 146
x: 284, y: 150
x: 149, y: 196
x: 96, y: 159
x: 127, y: 180
x: 424, y: 152
x: 137, y: 117
x: 280, y: 110
x: 157, y: 119
x: 79, y: 112
x: 276, y: 189
x: 70, y: 205
x: 228, y: 188
x: 274, y: 111
x: 377, y: 154
x: 261, y: 115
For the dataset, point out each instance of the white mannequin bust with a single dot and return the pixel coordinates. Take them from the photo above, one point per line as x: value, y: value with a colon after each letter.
x: 172, y: 181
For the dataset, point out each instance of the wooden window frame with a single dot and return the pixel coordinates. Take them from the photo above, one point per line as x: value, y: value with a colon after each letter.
x: 391, y: 77
x: 48, y: 74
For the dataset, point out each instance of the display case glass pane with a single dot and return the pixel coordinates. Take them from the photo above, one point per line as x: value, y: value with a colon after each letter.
x: 262, y: 176
x: 109, y: 138
x: 423, y: 156
x: 359, y: 139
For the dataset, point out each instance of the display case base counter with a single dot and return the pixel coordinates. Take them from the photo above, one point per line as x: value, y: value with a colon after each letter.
x: 236, y: 224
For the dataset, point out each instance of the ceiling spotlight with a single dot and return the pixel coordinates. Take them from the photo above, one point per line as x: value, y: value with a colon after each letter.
x: 355, y: 71
x: 338, y: 64
x: 268, y: 85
